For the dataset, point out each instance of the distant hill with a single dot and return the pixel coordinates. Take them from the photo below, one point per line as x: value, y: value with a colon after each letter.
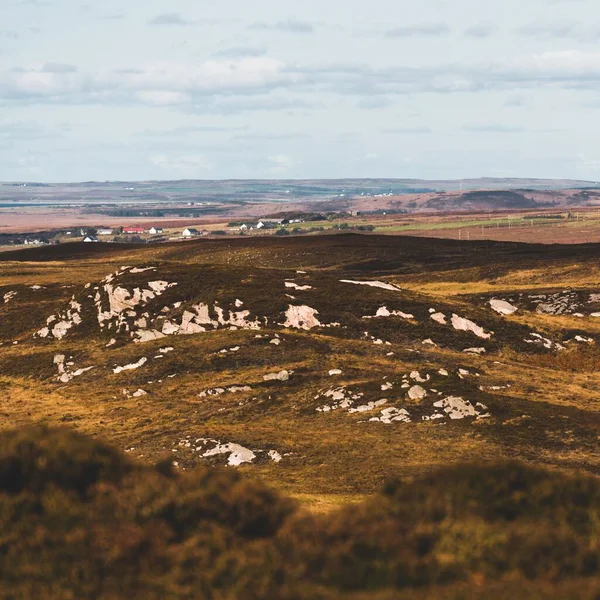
x: 256, y: 190
x: 483, y: 200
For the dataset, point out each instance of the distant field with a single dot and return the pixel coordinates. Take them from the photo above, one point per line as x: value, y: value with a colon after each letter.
x: 548, y: 225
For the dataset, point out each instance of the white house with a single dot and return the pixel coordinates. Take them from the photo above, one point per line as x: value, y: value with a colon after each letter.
x: 90, y: 238
x: 105, y: 231
x: 190, y: 232
x: 155, y: 230
x: 260, y: 225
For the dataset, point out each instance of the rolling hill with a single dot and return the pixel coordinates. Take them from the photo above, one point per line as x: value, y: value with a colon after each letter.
x: 324, y: 367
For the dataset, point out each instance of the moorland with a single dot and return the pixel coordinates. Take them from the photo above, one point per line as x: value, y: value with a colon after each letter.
x: 366, y: 416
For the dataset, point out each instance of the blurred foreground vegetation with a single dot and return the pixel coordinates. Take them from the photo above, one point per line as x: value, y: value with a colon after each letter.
x: 80, y: 520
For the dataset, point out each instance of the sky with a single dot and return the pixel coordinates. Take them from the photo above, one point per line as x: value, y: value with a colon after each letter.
x: 435, y: 89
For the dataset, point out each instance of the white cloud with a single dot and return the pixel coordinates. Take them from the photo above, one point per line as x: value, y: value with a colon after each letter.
x: 481, y: 30
x: 280, y: 163
x: 169, y: 19
x: 288, y: 26
x: 211, y: 75
x: 155, y: 83
x: 419, y: 29
x: 162, y: 98
x: 193, y: 164
x: 566, y: 30
x: 492, y: 128
x: 417, y: 129
x: 237, y: 81
x: 568, y: 62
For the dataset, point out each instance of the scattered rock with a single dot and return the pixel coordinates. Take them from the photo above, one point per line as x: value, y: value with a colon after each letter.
x: 295, y: 286
x: 416, y: 392
x: 385, y: 312
x: 367, y: 407
x: 375, y: 284
x: 536, y: 338
x: 65, y: 373
x: 281, y: 376
x: 416, y: 376
x: 461, y: 324
x: 392, y: 415
x: 340, y: 397
x: 458, y: 408
x: 236, y: 454
x: 131, y: 366
x: 502, y: 307
x: 301, y: 317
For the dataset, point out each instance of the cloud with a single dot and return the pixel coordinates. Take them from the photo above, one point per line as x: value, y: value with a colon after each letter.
x: 163, y: 97
x: 280, y: 163
x: 240, y: 52
x: 169, y: 19
x: 586, y: 163
x: 566, y: 31
x: 228, y: 105
x: 54, y: 67
x: 192, y: 163
x: 480, y: 31
x: 8, y: 34
x: 190, y: 130
x: 29, y: 162
x: 375, y: 103
x: 156, y: 83
x: 289, y: 26
x: 25, y: 131
x: 226, y: 86
x: 515, y: 101
x: 271, y: 136
x: 492, y: 128
x: 418, y: 30
x: 417, y: 129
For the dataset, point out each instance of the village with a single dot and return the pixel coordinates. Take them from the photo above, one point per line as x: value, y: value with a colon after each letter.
x: 147, y: 234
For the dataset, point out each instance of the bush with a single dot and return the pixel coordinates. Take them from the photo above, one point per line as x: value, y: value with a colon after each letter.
x: 79, y: 520
x: 31, y: 459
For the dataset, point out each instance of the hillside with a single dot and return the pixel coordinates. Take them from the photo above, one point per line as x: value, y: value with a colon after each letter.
x: 324, y: 367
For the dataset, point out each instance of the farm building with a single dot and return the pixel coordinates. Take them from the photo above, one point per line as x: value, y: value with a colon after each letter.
x: 136, y: 230
x: 105, y: 231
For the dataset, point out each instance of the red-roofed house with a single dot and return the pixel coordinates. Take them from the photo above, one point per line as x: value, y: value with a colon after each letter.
x: 133, y: 230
